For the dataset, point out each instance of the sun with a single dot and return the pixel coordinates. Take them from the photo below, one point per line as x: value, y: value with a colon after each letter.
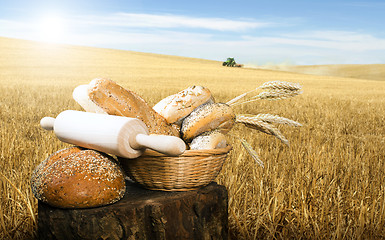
x: 51, y: 29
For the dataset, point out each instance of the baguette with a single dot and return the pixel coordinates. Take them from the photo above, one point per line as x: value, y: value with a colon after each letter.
x: 116, y: 100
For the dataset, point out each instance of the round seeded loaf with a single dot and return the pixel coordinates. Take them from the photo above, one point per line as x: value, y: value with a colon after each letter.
x: 78, y: 178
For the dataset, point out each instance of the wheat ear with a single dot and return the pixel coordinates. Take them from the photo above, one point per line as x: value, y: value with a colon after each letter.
x: 275, y: 90
x: 269, y: 118
x: 262, y: 126
x: 278, y: 94
x: 271, y: 95
x: 281, y: 85
x: 252, y: 152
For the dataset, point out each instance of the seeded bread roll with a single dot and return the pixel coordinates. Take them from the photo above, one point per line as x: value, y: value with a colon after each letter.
x: 209, y: 140
x: 78, y: 178
x: 206, y: 118
x: 176, y: 107
x: 116, y: 100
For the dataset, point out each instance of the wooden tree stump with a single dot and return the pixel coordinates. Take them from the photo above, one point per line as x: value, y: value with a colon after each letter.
x: 143, y: 214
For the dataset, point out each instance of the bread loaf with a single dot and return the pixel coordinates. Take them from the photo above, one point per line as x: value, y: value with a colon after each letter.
x: 80, y: 95
x: 175, y: 107
x: 209, y: 140
x: 78, y: 178
x: 206, y: 118
x: 116, y: 100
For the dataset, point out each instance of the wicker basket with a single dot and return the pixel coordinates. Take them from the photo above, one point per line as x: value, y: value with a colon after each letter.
x: 189, y: 171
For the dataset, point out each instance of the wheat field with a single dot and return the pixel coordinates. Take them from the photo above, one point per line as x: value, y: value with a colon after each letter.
x: 329, y: 183
x: 360, y: 71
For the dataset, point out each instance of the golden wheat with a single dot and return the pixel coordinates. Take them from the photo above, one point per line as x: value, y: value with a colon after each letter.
x: 276, y: 119
x: 262, y: 126
x: 275, y: 90
x: 274, y: 85
x: 328, y: 184
x: 361, y: 71
x: 252, y: 152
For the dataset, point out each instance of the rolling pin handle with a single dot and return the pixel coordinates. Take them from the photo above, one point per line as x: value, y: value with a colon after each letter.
x: 169, y: 145
x: 47, y: 123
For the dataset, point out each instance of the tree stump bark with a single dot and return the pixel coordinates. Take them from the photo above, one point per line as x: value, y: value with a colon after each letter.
x: 143, y: 214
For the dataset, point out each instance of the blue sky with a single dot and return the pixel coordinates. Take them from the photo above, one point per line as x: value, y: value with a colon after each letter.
x: 254, y: 32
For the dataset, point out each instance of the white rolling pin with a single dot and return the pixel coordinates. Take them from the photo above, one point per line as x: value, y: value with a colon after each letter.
x: 122, y: 136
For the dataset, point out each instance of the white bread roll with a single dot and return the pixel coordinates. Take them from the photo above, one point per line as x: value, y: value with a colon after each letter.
x: 209, y: 140
x: 176, y: 107
x: 208, y: 117
x: 78, y: 178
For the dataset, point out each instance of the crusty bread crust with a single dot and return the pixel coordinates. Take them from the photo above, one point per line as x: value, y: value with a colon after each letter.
x: 78, y: 178
x: 116, y: 100
x: 175, y: 107
x: 208, y: 117
x: 209, y: 140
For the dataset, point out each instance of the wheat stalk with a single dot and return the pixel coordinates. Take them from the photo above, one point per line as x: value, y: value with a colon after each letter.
x: 271, y: 95
x: 262, y: 126
x: 24, y: 198
x: 275, y: 90
x: 234, y: 100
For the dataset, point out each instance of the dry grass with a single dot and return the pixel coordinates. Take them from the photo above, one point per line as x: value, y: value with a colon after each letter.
x: 328, y: 184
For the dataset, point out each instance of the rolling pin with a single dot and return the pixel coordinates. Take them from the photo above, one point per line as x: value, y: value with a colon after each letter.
x: 122, y: 136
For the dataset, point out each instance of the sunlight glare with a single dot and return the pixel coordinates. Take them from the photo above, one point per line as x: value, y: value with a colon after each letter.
x: 51, y: 29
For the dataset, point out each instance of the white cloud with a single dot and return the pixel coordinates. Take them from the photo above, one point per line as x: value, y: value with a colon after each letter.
x: 140, y: 20
x: 246, y: 50
x: 9, y: 25
x: 138, y: 40
x: 330, y: 35
x: 189, y: 36
x: 337, y: 40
